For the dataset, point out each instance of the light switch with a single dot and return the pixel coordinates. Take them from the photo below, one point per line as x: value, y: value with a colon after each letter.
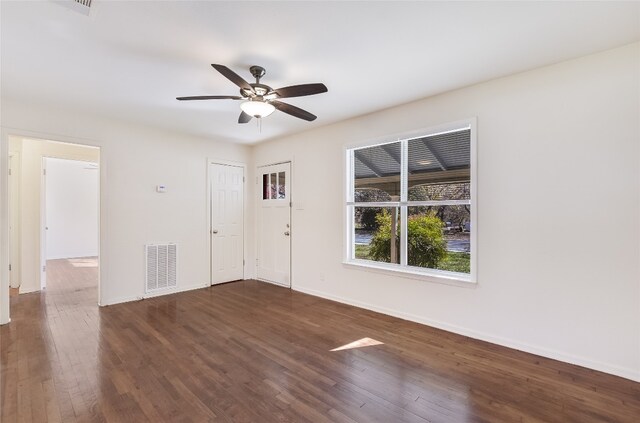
x: 161, y: 188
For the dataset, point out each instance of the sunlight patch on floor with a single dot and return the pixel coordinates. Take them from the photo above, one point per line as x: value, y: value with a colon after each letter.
x: 84, y: 262
x: 364, y: 342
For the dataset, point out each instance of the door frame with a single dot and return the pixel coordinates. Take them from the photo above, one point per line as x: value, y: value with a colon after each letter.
x: 43, y: 216
x: 258, y: 198
x: 213, y: 161
x: 43, y: 223
x: 13, y: 197
x: 5, y: 134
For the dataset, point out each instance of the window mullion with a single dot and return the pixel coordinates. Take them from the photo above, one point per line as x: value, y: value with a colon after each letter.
x: 403, y: 235
x: 404, y: 189
x: 404, y: 170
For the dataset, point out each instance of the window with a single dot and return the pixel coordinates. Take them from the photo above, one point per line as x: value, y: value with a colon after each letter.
x: 410, y: 204
x: 273, y: 186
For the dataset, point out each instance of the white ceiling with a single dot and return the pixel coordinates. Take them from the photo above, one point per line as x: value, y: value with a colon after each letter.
x: 129, y: 60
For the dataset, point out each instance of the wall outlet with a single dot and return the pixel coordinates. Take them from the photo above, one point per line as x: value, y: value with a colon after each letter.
x: 321, y: 276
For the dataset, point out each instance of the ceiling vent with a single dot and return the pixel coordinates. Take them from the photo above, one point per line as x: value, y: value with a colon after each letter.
x: 80, y: 6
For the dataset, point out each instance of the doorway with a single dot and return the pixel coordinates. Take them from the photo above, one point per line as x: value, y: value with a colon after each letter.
x: 70, y: 196
x: 54, y: 217
x: 274, y: 224
x: 226, y: 184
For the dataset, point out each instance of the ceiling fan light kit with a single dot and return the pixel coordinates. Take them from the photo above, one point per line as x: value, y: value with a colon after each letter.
x: 256, y: 108
x: 261, y: 100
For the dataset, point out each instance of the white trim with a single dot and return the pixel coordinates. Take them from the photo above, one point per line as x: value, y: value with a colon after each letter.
x: 169, y: 291
x: 5, y: 133
x: 411, y: 203
x: 43, y: 223
x: 430, y: 275
x: 412, y: 272
x: 348, y: 223
x: 473, y: 124
x: 282, y: 285
x: 274, y: 163
x: 43, y: 205
x: 4, y: 227
x: 14, y: 251
x: 624, y: 372
x: 404, y: 198
x: 226, y: 162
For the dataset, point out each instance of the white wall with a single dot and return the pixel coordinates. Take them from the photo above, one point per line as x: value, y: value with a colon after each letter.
x: 71, y: 208
x: 558, y: 213
x: 134, y: 159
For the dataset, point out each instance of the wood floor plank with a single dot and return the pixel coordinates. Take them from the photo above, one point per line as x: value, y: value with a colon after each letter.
x: 254, y: 352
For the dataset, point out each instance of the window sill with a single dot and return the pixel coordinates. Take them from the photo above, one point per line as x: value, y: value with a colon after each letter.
x: 428, y: 275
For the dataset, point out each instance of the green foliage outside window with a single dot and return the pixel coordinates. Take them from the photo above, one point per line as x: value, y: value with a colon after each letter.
x: 426, y: 244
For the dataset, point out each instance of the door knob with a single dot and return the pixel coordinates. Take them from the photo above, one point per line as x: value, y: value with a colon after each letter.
x: 286, y: 233
x: 214, y: 231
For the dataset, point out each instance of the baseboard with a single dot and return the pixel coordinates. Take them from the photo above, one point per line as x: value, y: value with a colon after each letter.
x: 24, y: 290
x: 274, y: 283
x: 121, y: 300
x: 505, y: 342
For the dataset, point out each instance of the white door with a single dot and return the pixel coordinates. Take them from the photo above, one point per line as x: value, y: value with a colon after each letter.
x: 227, y: 223
x: 274, y: 224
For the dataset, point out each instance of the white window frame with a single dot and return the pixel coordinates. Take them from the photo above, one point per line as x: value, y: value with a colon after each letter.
x: 403, y: 269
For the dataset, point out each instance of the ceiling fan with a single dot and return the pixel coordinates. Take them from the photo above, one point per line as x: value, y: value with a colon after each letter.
x: 261, y: 100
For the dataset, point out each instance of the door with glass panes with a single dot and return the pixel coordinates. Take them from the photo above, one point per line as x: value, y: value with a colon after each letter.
x: 274, y: 224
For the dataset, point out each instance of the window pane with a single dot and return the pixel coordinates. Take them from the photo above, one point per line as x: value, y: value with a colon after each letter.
x: 281, y: 185
x: 377, y: 234
x: 377, y: 173
x: 273, y: 185
x: 439, y: 166
x: 439, y: 237
x: 265, y: 186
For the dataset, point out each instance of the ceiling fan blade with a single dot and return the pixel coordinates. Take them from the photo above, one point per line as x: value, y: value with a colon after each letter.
x: 293, y: 111
x: 244, y: 117
x: 233, y: 77
x: 301, y: 90
x: 210, y: 97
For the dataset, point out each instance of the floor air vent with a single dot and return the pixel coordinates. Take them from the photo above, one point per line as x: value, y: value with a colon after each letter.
x: 161, y: 267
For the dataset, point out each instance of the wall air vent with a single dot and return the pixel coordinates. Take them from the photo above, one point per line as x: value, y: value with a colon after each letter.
x: 161, y: 267
x: 80, y: 6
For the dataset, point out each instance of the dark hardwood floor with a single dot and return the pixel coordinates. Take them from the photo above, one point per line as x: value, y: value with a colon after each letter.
x: 253, y: 352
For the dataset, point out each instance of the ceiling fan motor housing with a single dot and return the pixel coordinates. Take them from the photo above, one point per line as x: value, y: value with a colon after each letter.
x: 257, y: 72
x: 259, y: 90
